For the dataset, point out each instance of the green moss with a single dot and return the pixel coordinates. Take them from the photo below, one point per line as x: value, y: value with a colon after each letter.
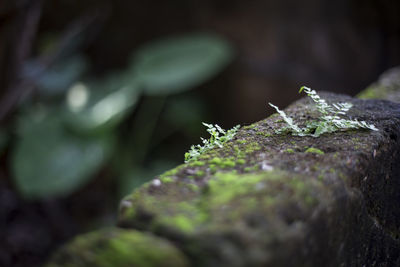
x: 249, y: 127
x: 251, y: 147
x: 315, y: 151
x: 245, y: 191
x: 264, y: 134
x: 315, y: 167
x: 226, y: 198
x: 213, y: 168
x: 179, y: 221
x: 298, y: 185
x: 186, y: 218
x: 216, y: 161
x: 239, y: 153
x: 228, y: 164
x: 373, y: 92
x: 223, y: 163
x: 241, y: 161
x: 193, y: 187
x: 227, y: 186
x: 241, y: 141
x: 166, y: 179
x: 200, y: 173
x: 205, y: 156
x: 117, y: 247
x: 252, y: 168
x: 171, y: 172
x: 197, y: 163
x: 289, y: 150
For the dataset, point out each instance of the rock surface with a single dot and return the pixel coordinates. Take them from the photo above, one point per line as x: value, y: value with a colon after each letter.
x: 280, y: 200
x: 387, y: 87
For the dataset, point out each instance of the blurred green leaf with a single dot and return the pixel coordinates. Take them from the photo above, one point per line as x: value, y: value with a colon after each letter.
x: 49, y: 161
x: 178, y: 64
x: 100, y: 106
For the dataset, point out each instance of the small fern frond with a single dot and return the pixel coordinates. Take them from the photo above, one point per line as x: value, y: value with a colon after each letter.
x: 218, y: 137
x: 329, y: 121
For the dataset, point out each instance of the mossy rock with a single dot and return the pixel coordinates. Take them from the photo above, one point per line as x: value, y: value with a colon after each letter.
x: 387, y: 87
x: 118, y: 248
x: 280, y: 200
x: 265, y: 199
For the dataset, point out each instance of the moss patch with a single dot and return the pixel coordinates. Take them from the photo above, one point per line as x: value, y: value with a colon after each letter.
x: 251, y: 168
x: 227, y: 186
x: 200, y: 173
x: 315, y: 151
x: 373, y: 92
x: 197, y: 163
x: 118, y: 248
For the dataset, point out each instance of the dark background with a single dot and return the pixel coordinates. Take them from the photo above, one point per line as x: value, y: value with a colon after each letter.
x: 340, y: 46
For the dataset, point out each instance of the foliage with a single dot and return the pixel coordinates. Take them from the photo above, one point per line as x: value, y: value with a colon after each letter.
x: 49, y: 161
x: 177, y: 64
x: 218, y: 138
x: 328, y: 122
x: 61, y: 145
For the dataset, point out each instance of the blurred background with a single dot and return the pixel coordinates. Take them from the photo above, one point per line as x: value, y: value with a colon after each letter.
x: 97, y: 97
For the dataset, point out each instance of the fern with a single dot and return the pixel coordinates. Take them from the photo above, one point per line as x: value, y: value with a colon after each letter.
x: 217, y: 139
x: 329, y: 121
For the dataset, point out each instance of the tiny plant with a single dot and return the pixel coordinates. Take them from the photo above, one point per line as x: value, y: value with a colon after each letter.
x: 328, y: 122
x: 218, y: 137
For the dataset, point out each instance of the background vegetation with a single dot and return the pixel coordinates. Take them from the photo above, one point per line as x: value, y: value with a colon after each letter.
x: 97, y: 97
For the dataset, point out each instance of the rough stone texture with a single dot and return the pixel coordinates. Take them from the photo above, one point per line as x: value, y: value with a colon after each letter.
x: 279, y: 200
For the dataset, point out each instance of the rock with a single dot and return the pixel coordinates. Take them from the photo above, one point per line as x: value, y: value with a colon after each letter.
x: 265, y: 199
x: 386, y: 88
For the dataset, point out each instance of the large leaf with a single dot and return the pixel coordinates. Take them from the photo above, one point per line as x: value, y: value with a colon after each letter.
x: 48, y: 161
x: 179, y: 64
